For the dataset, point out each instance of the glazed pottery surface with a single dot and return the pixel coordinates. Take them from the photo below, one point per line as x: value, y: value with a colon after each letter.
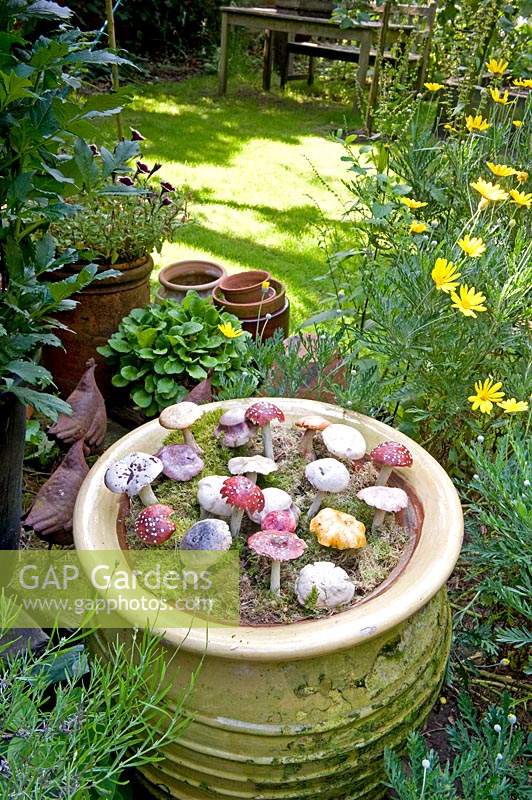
x: 244, y: 287
x: 189, y: 276
x: 302, y: 710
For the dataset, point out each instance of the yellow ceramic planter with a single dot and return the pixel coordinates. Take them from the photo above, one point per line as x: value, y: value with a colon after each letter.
x: 304, y: 710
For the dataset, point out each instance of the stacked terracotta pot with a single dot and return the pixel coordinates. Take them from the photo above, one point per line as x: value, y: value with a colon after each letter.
x: 257, y: 299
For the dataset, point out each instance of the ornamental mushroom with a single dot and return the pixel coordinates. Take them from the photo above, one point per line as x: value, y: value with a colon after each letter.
x: 344, y: 441
x: 274, y: 500
x: 209, y: 498
x: 180, y: 462
x: 153, y: 525
x: 243, y: 495
x: 326, y: 475
x: 261, y: 414
x: 284, y: 520
x: 310, y: 424
x: 383, y: 498
x: 388, y: 455
x: 181, y: 417
x: 337, y: 529
x: 331, y: 583
x: 207, y: 534
x: 279, y: 547
x: 133, y: 475
x: 251, y: 466
x: 233, y: 429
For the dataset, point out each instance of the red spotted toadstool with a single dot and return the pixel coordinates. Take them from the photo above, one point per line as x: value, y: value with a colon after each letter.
x: 261, y: 414
x: 310, y: 424
x: 388, y: 455
x: 133, y: 475
x: 278, y: 547
x: 153, y: 525
x: 181, y: 417
x: 243, y: 495
x: 326, y: 475
x: 384, y: 499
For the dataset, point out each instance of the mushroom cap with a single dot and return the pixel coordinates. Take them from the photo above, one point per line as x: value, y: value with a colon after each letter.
x: 207, y: 534
x: 391, y: 454
x: 332, y: 584
x: 233, y: 416
x: 263, y: 412
x: 386, y: 498
x: 274, y: 500
x: 180, y: 415
x: 327, y: 475
x: 209, y: 496
x: 283, y: 520
x: 180, y: 462
x: 259, y: 464
x: 312, y: 422
x: 239, y: 491
x: 153, y: 524
x: 337, y: 529
x: 234, y: 435
x: 277, y: 545
x: 344, y: 441
x: 132, y: 473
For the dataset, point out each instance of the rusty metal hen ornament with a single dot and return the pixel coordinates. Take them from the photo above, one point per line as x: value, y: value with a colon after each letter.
x: 89, y: 418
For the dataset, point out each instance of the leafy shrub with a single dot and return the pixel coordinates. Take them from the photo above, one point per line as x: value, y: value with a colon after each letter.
x: 163, y: 350
x: 38, y: 446
x: 487, y: 764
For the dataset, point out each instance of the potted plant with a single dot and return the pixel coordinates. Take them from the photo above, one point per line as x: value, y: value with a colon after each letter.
x: 127, y: 213
x: 303, y: 709
x: 38, y: 77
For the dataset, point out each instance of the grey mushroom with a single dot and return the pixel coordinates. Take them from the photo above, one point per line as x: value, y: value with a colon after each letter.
x: 207, y: 534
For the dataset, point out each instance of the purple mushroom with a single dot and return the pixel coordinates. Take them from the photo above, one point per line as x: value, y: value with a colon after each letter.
x: 233, y: 429
x: 180, y: 462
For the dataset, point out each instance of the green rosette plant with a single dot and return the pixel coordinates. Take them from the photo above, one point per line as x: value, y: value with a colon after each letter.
x: 163, y: 350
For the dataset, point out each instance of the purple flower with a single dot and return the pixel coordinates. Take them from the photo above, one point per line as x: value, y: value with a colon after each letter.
x: 126, y: 181
x: 136, y: 136
x: 166, y: 202
x: 94, y: 150
x: 156, y: 167
x: 167, y: 187
x: 141, y: 167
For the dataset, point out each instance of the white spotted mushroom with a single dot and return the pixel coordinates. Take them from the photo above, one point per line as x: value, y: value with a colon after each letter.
x: 133, y: 475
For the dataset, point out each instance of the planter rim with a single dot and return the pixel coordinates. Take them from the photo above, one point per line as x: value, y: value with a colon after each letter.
x: 428, y: 569
x: 168, y: 275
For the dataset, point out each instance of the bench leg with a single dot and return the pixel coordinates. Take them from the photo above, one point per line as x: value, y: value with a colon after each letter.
x: 310, y: 74
x: 267, y: 65
x: 224, y: 56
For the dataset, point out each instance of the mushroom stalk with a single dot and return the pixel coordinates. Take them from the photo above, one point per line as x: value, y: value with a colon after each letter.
x: 251, y: 476
x: 203, y: 513
x: 307, y: 449
x: 316, y: 503
x: 147, y: 496
x: 383, y: 476
x: 268, y: 441
x: 275, y: 578
x: 378, y: 519
x: 236, y: 520
x: 188, y: 438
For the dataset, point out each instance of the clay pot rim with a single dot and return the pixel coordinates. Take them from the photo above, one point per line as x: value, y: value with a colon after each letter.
x: 170, y: 284
x: 431, y: 563
x: 238, y: 290
x: 230, y: 304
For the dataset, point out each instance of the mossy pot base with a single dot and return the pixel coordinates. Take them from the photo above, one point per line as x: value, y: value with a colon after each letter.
x: 303, y: 710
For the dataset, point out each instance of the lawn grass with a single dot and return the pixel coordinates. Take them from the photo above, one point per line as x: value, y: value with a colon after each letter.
x: 249, y: 160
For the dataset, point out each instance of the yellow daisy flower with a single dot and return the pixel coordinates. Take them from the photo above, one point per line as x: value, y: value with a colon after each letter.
x: 412, y: 204
x: 496, y: 67
x: 472, y: 246
x: 418, y: 227
x: 521, y: 198
x: 433, y: 87
x: 486, y: 394
x: 450, y: 127
x: 476, y: 123
x: 469, y: 302
x: 518, y: 123
x: 522, y: 176
x: 491, y: 192
x: 513, y: 406
x: 500, y: 170
x: 444, y: 275
x: 265, y: 285
x: 497, y: 97
x: 523, y: 83
x: 229, y: 331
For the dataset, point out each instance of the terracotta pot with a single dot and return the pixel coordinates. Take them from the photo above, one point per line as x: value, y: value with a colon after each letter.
x: 264, y: 327
x: 303, y: 710
x: 244, y: 287
x: 98, y: 314
x: 270, y: 304
x: 189, y: 276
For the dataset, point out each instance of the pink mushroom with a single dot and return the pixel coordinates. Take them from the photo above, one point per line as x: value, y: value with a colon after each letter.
x: 388, y: 455
x: 243, y: 495
x: 384, y: 499
x: 153, y: 525
x: 279, y: 546
x: 283, y: 520
x: 261, y: 414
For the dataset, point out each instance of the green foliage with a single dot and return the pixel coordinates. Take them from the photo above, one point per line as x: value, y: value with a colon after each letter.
x: 70, y: 727
x: 488, y: 760
x: 39, y: 448
x: 163, y: 350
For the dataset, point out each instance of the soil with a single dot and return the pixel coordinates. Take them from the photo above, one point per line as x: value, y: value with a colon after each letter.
x: 366, y: 567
